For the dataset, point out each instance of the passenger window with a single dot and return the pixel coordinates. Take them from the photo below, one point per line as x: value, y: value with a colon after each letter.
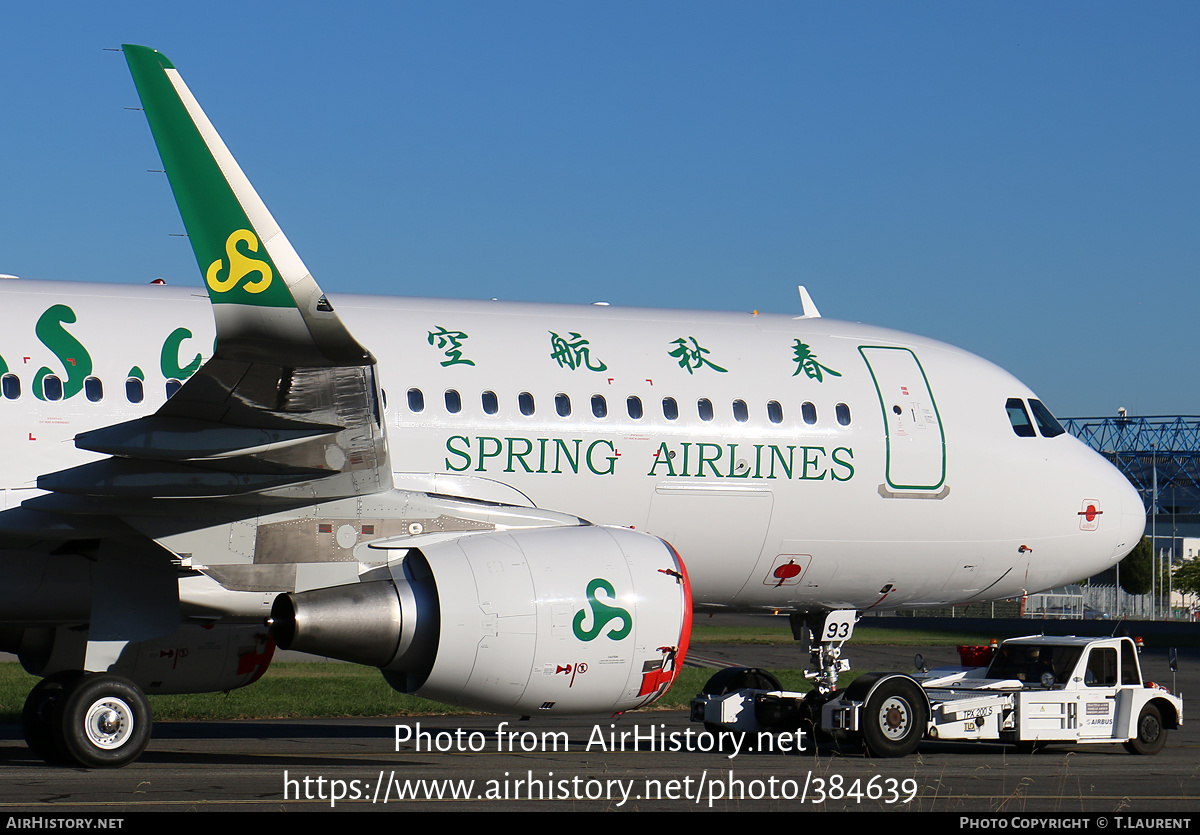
x: 490, y: 404
x: 52, y: 387
x: 599, y: 406
x: 634, y: 404
x: 416, y: 400
x: 740, y: 413
x: 134, y: 391
x: 11, y: 384
x: 453, y: 402
x: 1019, y: 418
x: 173, y: 386
x: 93, y: 389
x: 774, y: 411
x: 704, y: 408
x: 670, y: 408
x: 562, y: 405
x: 808, y: 412
x: 842, y: 412
x: 1047, y: 425
x: 525, y: 403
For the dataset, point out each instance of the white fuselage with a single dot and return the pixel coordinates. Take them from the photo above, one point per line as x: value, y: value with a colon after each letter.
x: 841, y: 465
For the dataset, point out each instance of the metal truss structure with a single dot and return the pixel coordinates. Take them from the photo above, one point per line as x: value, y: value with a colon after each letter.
x: 1162, y: 449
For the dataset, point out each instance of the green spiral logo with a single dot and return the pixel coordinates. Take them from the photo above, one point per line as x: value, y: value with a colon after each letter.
x: 602, y: 614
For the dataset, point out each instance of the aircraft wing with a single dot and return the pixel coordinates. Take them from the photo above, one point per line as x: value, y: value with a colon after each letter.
x: 264, y: 486
x: 289, y: 405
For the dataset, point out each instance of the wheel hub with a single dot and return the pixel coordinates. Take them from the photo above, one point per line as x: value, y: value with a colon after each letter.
x: 109, y: 723
x: 893, y: 717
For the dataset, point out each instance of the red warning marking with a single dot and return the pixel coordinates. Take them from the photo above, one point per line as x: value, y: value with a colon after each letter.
x: 656, y: 680
x: 648, y: 380
x: 71, y: 360
x: 174, y: 654
x: 572, y: 670
x: 652, y: 681
x: 31, y: 437
x: 257, y: 662
x: 1091, y: 513
x: 785, y: 572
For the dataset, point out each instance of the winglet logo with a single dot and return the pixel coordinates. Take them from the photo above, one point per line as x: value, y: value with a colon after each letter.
x: 240, y: 266
x: 602, y: 614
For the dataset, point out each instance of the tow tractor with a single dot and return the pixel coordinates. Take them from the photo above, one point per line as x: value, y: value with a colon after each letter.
x: 1032, y: 691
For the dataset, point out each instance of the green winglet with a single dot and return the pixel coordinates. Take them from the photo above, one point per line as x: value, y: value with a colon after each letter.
x: 237, y: 269
x: 267, y: 305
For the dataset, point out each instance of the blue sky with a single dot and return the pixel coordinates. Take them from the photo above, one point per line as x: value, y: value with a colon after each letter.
x: 1019, y: 179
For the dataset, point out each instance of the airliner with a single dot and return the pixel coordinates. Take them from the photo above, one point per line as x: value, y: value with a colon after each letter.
x: 515, y: 507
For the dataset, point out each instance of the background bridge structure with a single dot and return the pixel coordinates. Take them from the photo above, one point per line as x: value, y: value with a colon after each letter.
x: 1160, y: 451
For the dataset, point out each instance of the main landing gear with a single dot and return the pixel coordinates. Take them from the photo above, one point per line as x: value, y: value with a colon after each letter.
x: 96, y: 720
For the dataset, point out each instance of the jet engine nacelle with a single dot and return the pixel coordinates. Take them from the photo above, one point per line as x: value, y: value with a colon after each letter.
x: 565, y: 620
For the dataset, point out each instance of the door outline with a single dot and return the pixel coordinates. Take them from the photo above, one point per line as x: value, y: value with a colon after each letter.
x: 887, y: 423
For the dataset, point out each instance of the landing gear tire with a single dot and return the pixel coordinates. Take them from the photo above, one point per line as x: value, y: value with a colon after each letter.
x: 37, y: 717
x: 1151, y: 735
x: 740, y: 678
x: 103, y: 721
x: 732, y: 679
x: 894, y: 719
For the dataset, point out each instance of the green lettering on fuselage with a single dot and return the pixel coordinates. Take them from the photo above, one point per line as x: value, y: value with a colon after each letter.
x: 535, y: 456
x: 600, y: 457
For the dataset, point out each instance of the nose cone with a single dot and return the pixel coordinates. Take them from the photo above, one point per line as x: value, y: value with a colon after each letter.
x: 1133, y: 517
x: 1099, y: 516
x: 1120, y: 522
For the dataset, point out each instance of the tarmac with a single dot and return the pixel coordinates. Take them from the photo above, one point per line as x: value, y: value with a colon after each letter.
x: 647, y: 760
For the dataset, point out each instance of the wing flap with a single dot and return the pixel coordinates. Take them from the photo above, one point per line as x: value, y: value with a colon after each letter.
x: 125, y: 478
x: 167, y: 438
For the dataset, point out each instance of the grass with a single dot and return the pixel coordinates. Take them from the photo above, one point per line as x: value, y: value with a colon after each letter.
x: 781, y: 634
x: 322, y: 690
x: 288, y: 690
x: 330, y: 690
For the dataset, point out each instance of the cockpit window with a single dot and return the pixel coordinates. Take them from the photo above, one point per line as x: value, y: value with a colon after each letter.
x: 1019, y: 418
x: 1046, y: 424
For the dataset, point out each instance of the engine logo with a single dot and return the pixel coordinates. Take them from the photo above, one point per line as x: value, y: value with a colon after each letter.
x: 602, y: 614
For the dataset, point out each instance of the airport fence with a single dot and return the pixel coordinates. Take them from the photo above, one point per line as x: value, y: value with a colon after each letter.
x: 1092, y: 602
